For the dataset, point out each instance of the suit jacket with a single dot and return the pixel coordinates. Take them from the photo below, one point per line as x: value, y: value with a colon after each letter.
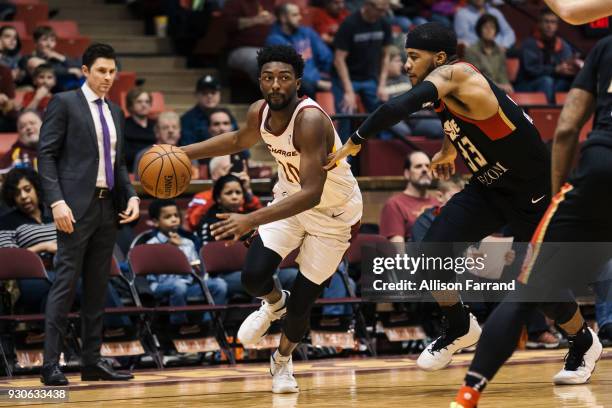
x: 68, y: 154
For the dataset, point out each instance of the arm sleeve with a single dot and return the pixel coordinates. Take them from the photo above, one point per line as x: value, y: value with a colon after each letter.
x: 391, y: 221
x: 395, y: 110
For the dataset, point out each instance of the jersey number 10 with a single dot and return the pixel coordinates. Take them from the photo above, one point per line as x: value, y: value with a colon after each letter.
x: 291, y: 172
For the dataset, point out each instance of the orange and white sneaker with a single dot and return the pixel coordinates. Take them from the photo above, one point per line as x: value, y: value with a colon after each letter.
x: 467, y: 397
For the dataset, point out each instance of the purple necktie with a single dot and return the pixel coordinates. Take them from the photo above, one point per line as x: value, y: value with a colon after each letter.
x: 108, y: 163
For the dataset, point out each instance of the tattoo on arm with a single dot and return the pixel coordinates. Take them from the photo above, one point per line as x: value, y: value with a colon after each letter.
x: 444, y: 72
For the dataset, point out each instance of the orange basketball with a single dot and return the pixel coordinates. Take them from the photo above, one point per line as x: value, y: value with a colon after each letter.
x: 164, y: 171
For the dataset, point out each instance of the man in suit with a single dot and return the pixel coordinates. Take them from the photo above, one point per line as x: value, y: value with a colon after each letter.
x: 86, y: 184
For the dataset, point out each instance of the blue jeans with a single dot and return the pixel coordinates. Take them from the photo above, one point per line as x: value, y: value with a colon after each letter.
x: 603, y: 300
x: 336, y: 289
x: 546, y: 84
x: 177, y: 291
x: 366, y: 91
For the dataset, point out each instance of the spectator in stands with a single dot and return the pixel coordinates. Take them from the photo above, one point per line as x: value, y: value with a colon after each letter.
x: 220, y: 121
x: 167, y: 131
x: 443, y: 11
x: 10, y: 45
x: 139, y: 129
x: 35, y: 230
x: 166, y: 217
x: 327, y: 20
x: 44, y: 83
x: 446, y: 190
x: 67, y: 70
x: 486, y: 55
x: 402, y: 209
x: 248, y: 23
x: 467, y: 17
x: 8, y: 108
x: 24, y: 152
x: 194, y: 122
x: 399, y: 15
x: 203, y: 201
x: 547, y: 63
x: 397, y: 84
x: 360, y: 60
x: 317, y: 56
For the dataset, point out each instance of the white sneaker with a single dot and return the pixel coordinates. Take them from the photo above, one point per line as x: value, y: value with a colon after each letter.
x: 257, y: 323
x: 439, y: 353
x: 579, y: 367
x: 283, y: 380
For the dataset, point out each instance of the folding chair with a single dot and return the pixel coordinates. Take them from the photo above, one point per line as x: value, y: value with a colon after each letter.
x: 166, y: 259
x: 19, y: 263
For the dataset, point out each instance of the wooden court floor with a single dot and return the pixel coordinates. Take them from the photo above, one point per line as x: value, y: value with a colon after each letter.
x: 361, y: 382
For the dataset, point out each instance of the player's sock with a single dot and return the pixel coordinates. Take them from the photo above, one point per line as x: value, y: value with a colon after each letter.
x: 279, y: 358
x: 458, y: 319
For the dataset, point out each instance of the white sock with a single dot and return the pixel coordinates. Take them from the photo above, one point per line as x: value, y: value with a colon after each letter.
x: 279, y: 358
x: 281, y: 301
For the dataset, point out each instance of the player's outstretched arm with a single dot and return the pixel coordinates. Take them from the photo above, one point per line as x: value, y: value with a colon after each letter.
x: 437, y: 84
x: 230, y: 142
x: 580, y: 11
x: 576, y: 111
x: 311, y: 135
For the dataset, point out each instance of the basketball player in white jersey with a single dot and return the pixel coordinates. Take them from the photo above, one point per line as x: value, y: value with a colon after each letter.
x: 313, y: 210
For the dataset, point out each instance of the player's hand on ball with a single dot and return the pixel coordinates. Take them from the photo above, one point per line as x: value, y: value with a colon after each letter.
x: 233, y: 226
x: 349, y: 148
x: 443, y: 165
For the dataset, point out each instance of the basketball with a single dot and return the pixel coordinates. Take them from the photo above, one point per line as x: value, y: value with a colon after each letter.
x: 164, y: 171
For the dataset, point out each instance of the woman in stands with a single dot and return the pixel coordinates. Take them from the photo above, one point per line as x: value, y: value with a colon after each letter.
x: 33, y: 228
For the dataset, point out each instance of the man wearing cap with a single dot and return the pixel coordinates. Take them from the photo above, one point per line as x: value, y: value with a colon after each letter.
x: 194, y: 123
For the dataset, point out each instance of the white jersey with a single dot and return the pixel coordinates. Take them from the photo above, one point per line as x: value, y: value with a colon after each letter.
x: 340, y: 185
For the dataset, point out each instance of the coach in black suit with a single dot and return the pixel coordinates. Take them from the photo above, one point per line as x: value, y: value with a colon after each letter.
x: 86, y: 183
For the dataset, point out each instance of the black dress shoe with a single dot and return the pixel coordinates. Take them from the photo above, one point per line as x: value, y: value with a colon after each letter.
x: 51, y: 374
x: 102, y: 370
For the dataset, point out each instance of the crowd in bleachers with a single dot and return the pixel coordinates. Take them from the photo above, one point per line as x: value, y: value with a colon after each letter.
x: 354, y: 61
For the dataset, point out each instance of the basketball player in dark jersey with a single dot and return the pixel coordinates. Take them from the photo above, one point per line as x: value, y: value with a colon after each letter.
x: 580, y: 212
x: 510, y: 186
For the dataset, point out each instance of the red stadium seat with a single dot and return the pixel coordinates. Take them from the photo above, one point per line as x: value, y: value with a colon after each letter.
x: 219, y: 257
x: 62, y: 28
x: 25, y: 2
x: 512, y: 66
x: 6, y: 141
x: 32, y: 14
x: 545, y: 120
x: 560, y: 98
x: 27, y: 45
x: 124, y: 81
x: 326, y: 100
x: 588, y: 126
x: 529, y: 98
x: 73, y: 47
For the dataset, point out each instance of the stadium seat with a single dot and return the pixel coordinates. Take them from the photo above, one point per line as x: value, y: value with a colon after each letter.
x: 73, y: 47
x: 27, y: 45
x: 586, y: 129
x: 326, y: 100
x: 529, y: 98
x: 32, y: 14
x: 219, y: 258
x: 167, y: 259
x: 158, y: 104
x: 6, y: 141
x: 512, y: 66
x: 560, y: 98
x: 62, y: 28
x: 545, y: 120
x: 124, y: 81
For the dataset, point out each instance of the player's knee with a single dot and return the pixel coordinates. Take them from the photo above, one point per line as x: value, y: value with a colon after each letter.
x: 256, y: 280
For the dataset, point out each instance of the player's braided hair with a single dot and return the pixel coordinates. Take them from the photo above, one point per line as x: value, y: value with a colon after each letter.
x: 281, y: 53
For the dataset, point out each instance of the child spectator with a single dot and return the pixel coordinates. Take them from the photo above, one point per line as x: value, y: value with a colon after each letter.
x: 67, y: 71
x: 177, y: 288
x: 44, y: 82
x: 10, y: 45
